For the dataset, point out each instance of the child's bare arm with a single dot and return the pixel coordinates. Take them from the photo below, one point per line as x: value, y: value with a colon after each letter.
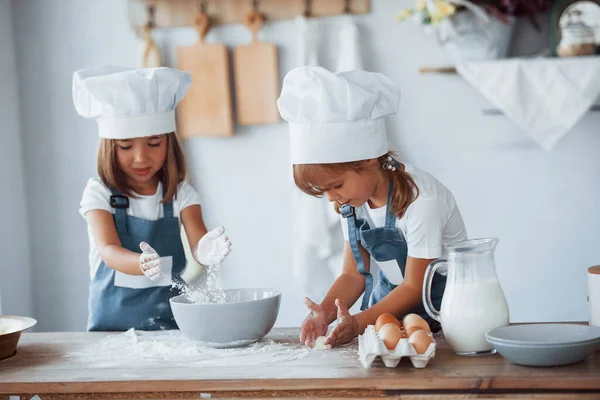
x: 403, y: 298
x: 191, y: 218
x: 349, y: 285
x: 207, y: 247
x: 114, y: 255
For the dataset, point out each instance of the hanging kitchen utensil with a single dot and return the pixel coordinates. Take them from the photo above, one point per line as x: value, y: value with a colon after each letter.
x: 309, y: 40
x: 206, y: 109
x: 151, y: 54
x: 256, y: 76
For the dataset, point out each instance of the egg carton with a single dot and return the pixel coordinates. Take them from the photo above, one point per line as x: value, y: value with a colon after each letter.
x: 370, y: 346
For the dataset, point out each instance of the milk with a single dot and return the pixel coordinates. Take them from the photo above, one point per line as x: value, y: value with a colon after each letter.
x: 469, y: 310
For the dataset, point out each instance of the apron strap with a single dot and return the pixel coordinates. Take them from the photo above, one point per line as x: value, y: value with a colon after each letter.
x: 348, y: 212
x: 167, y: 207
x: 390, y: 217
x: 120, y: 203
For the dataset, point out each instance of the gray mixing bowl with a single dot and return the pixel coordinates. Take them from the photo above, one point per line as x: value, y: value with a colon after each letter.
x: 247, y: 317
x: 545, y: 345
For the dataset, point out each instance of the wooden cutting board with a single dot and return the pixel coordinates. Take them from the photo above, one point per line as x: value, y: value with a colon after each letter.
x: 206, y: 109
x: 256, y: 76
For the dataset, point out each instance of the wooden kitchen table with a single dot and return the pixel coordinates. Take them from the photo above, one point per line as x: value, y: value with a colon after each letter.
x: 82, y: 365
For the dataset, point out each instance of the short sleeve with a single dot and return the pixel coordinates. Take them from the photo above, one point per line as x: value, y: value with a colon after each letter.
x: 187, y: 196
x: 425, y: 223
x: 96, y: 196
x: 344, y: 222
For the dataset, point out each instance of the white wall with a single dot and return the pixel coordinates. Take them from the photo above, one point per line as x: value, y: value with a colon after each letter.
x: 543, y: 206
x: 15, y: 280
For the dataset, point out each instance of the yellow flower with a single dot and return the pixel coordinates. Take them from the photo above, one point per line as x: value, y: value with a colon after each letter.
x: 443, y: 9
x: 403, y: 14
x: 421, y: 5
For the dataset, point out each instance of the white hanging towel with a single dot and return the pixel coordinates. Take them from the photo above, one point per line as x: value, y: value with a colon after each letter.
x: 308, y: 41
x: 349, y: 56
x: 545, y: 97
x: 317, y: 248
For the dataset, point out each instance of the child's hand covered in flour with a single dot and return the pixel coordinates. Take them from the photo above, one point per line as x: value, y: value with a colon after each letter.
x: 346, y: 328
x: 149, y: 261
x: 213, y: 248
x: 314, y: 325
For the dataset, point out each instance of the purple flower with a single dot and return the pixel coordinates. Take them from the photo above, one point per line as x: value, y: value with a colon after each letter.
x: 520, y: 8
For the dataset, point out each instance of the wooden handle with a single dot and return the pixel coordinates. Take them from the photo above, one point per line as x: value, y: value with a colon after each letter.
x: 254, y: 22
x: 437, y: 70
x: 202, y: 24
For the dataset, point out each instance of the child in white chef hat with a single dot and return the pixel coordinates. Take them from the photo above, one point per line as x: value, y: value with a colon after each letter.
x: 395, y: 214
x: 134, y: 208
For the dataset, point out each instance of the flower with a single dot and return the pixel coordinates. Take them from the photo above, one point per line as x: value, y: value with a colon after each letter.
x: 442, y: 9
x: 428, y: 11
x: 404, y: 14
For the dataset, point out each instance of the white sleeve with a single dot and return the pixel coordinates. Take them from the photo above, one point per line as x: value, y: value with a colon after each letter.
x: 344, y: 227
x: 96, y: 196
x: 425, y: 222
x: 187, y: 196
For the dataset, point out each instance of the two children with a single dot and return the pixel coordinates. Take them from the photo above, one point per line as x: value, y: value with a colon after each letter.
x: 393, y: 214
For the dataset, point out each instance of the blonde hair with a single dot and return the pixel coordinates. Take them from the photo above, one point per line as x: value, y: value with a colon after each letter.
x: 170, y: 175
x: 404, y: 188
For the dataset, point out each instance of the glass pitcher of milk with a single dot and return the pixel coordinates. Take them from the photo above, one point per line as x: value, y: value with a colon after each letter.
x: 473, y: 301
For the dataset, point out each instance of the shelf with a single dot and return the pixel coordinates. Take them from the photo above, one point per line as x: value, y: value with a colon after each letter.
x: 178, y: 13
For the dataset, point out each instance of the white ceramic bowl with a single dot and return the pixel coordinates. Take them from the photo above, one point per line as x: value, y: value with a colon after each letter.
x: 11, y: 327
x: 246, y: 317
x: 545, y: 345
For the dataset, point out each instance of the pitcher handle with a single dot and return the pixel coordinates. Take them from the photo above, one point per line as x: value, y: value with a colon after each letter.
x: 428, y: 280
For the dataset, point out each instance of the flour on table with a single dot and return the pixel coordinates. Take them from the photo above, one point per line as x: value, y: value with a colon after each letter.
x: 172, y: 348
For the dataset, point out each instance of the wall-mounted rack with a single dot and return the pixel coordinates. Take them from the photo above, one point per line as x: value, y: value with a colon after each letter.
x: 178, y: 13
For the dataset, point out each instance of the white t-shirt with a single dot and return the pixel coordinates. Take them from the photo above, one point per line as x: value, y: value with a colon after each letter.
x: 429, y: 224
x: 96, y: 196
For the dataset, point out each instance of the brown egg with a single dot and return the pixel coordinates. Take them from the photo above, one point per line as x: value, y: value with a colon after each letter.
x: 391, y: 335
x: 386, y: 318
x: 413, y: 323
x: 420, y: 341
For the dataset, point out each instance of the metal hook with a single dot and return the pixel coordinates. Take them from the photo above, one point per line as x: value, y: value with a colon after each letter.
x: 255, y: 5
x: 150, y: 10
x: 347, y: 9
x: 201, y: 6
x: 307, y: 8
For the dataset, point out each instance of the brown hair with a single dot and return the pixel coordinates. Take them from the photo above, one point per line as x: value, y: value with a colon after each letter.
x: 404, y: 188
x: 170, y: 175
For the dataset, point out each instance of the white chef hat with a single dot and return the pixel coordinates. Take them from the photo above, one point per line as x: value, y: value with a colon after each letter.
x: 336, y: 117
x: 129, y: 103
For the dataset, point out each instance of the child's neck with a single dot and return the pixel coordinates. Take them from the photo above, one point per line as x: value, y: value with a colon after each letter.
x: 380, y: 194
x: 145, y: 188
